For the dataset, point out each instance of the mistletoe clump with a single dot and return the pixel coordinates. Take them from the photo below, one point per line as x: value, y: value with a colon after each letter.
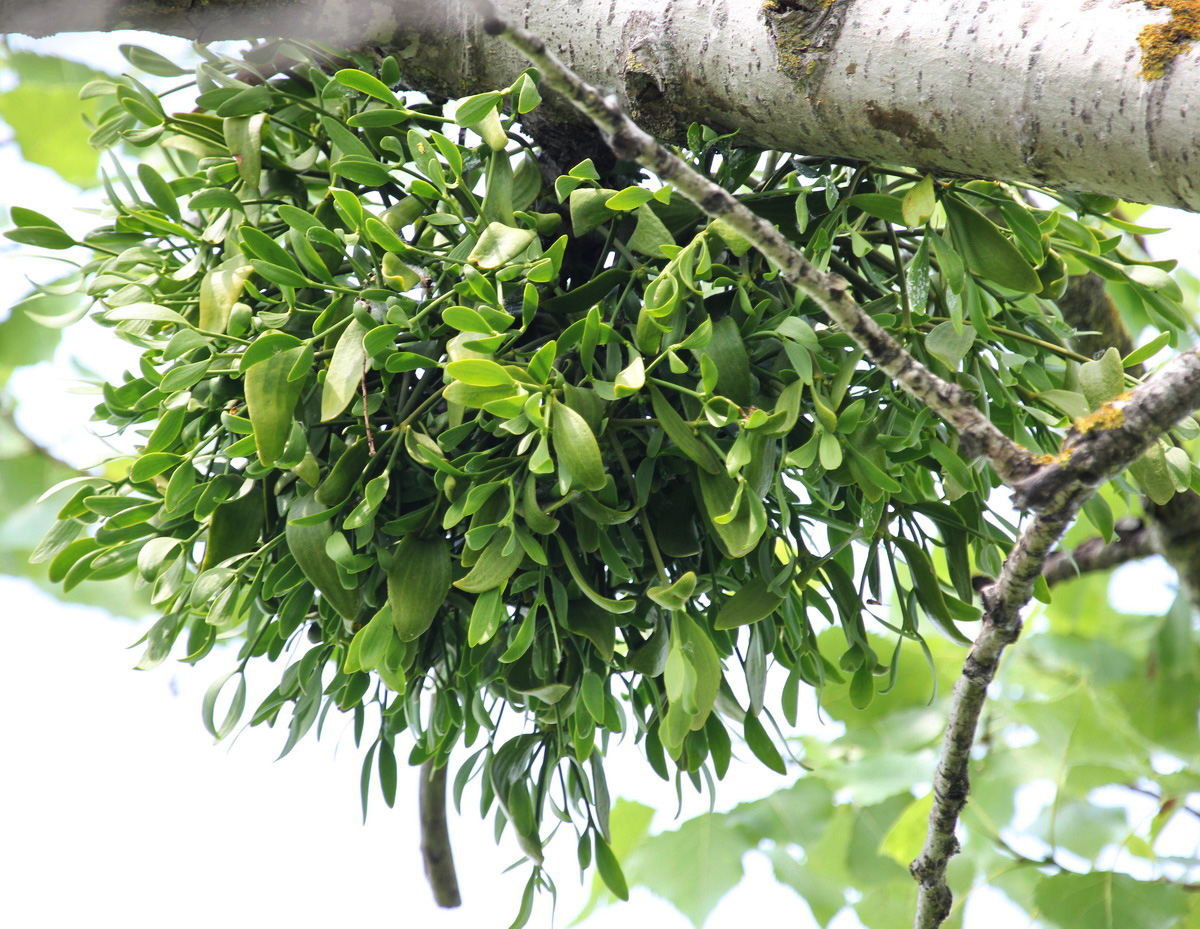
x: 448, y: 436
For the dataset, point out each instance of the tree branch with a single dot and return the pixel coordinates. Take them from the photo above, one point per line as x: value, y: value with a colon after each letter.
x: 1133, y: 542
x: 435, y: 836
x: 1088, y: 309
x: 1122, y: 431
x: 1003, y: 602
x: 961, y: 88
x: 1103, y: 443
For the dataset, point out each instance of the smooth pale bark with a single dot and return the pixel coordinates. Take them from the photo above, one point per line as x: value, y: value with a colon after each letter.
x: 1039, y: 91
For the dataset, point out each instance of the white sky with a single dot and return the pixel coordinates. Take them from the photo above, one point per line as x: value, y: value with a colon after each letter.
x: 114, y: 803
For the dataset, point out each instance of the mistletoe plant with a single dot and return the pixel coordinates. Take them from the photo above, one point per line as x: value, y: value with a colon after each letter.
x: 452, y: 439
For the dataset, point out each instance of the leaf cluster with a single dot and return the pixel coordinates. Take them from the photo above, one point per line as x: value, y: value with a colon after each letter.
x: 448, y: 438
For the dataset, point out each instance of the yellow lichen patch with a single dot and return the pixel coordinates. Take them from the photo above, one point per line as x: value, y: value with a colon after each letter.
x: 787, y: 6
x: 1107, y: 417
x: 1161, y: 42
x: 1061, y: 457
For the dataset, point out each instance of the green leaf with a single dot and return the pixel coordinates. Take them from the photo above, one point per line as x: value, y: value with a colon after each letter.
x: 307, y: 543
x: 148, y: 312
x: 728, y: 349
x: 1104, y: 900
x: 243, y: 135
x: 418, y: 583
x: 737, y: 517
x: 1147, y: 351
x: 285, y: 277
x: 528, y: 95
x: 47, y: 120
x: 609, y: 869
x: 589, y: 210
x: 676, y: 595
x: 361, y: 170
x: 496, y: 564
x: 35, y: 228
x: 737, y: 244
x: 881, y: 206
x: 271, y: 397
x: 862, y: 686
x: 236, y: 705
x: 151, y: 61
x: 260, y: 245
x: 948, y: 345
x: 1074, y: 404
x: 916, y: 280
x: 630, y: 379
x: 1153, y: 475
x: 266, y: 345
x: 575, y: 446
x: 367, y: 84
x: 152, y: 465
x: 987, y: 251
x: 370, y: 643
x: 919, y: 203
x: 234, y: 527
x: 486, y: 617
x: 472, y: 110
x: 906, y: 837
x: 526, y: 908
x: 929, y: 592
x: 752, y: 602
x: 1102, y: 379
x: 347, y: 368
x: 479, y: 372
x: 499, y: 245
x: 524, y: 637
x: 713, y: 848
x: 220, y: 289
x: 159, y: 190
x: 760, y: 743
x: 629, y: 199
x: 629, y: 824
x: 607, y: 604
x: 649, y: 234
x: 677, y: 431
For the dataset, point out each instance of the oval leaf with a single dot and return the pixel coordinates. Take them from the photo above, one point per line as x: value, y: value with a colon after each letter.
x: 417, y: 583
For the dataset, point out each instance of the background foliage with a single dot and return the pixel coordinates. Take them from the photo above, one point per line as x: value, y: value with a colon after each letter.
x: 554, y: 443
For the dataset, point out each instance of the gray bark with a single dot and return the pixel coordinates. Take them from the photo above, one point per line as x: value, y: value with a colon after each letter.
x: 1045, y: 92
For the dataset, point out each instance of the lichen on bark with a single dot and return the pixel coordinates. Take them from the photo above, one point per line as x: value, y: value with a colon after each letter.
x: 803, y: 32
x: 1161, y: 43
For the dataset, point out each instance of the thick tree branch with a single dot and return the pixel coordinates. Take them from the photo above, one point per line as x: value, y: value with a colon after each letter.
x: 1042, y: 92
x: 1133, y: 542
x: 1089, y: 310
x: 435, y: 836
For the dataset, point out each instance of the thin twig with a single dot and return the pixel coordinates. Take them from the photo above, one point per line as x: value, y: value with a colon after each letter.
x: 1169, y: 802
x: 367, y: 416
x: 1132, y: 542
